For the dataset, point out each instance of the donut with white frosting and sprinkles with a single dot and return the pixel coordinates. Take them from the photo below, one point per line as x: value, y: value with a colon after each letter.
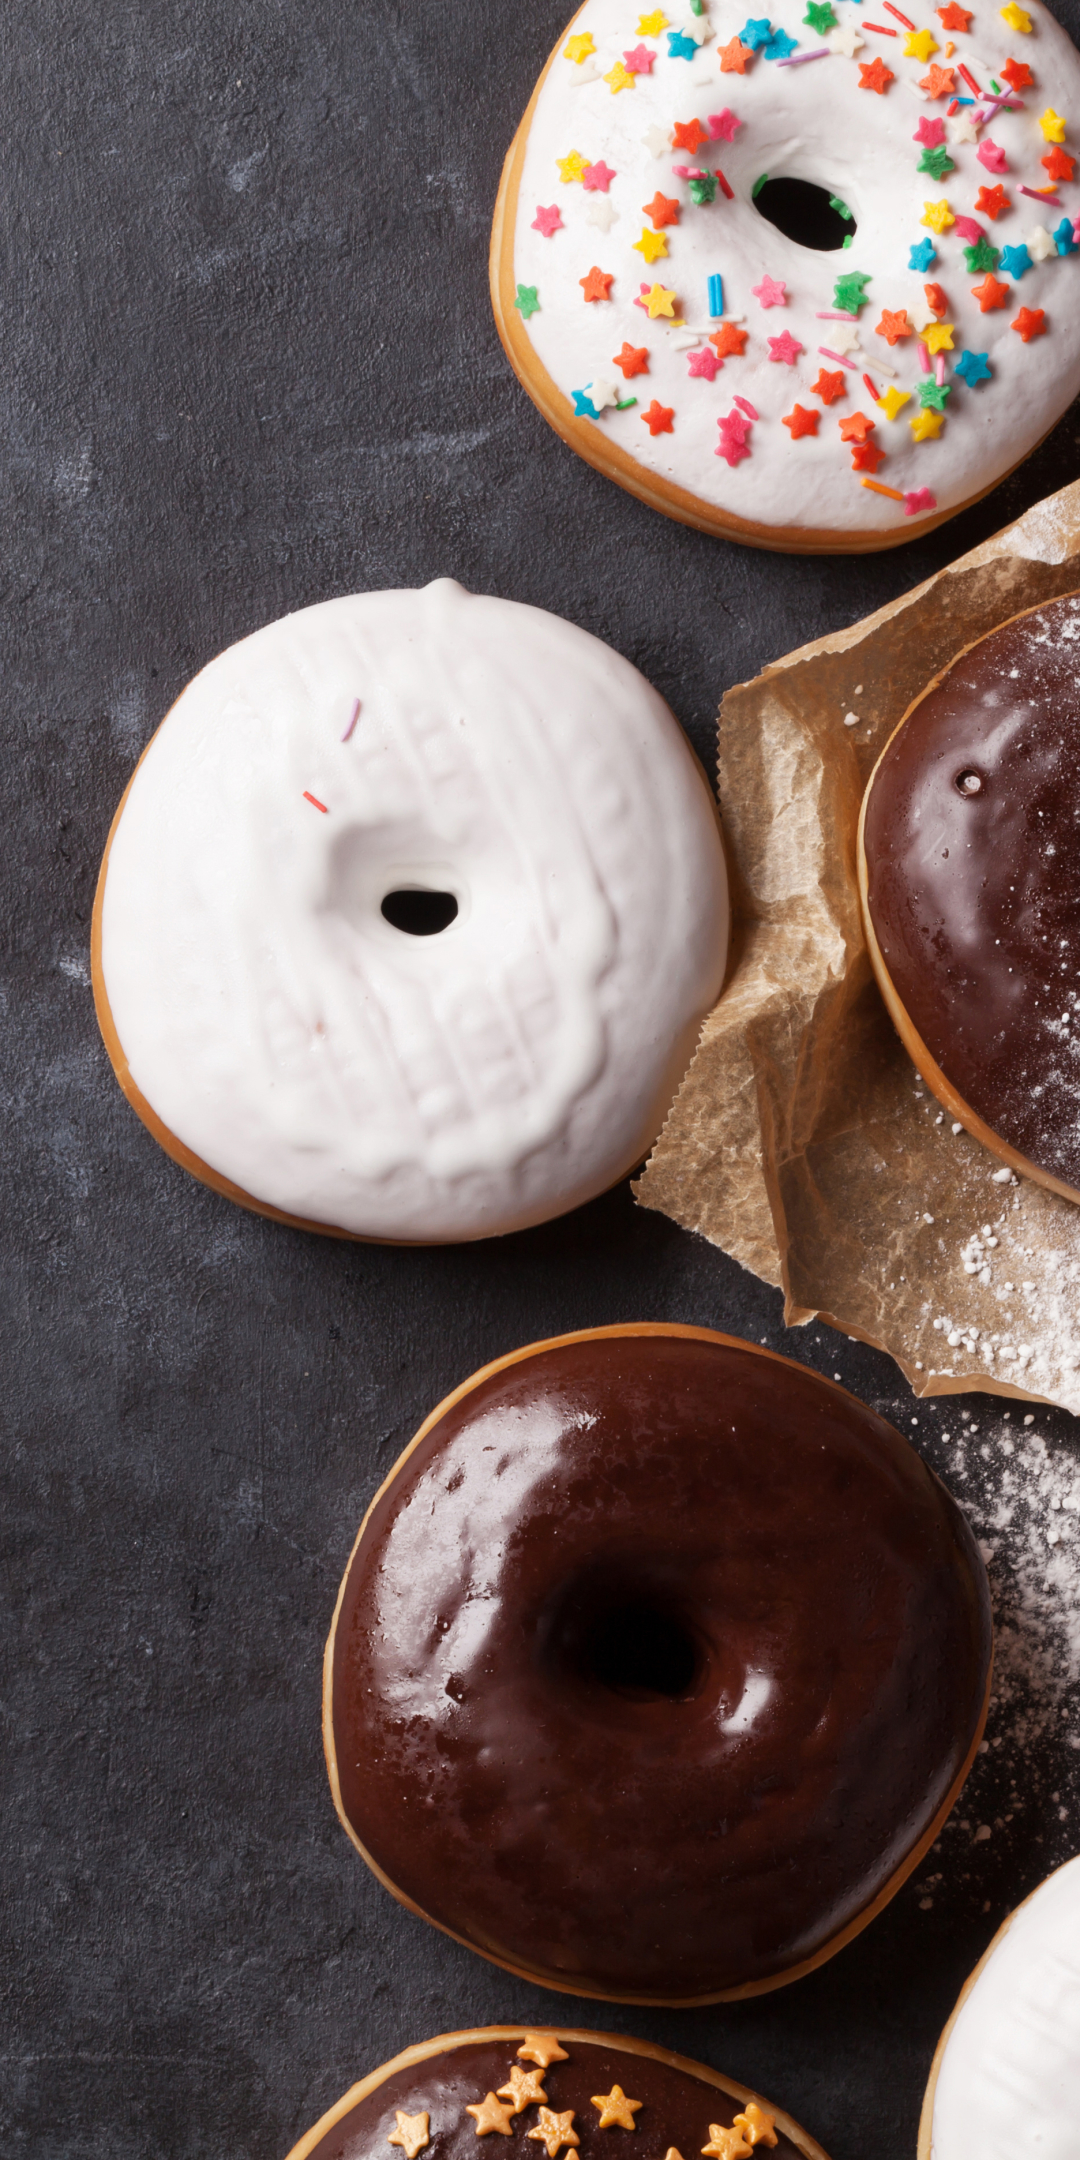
x: 811, y: 280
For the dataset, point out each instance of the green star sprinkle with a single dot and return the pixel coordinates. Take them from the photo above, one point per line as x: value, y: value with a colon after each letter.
x: 936, y: 162
x: 527, y: 301
x: 703, y: 188
x: 932, y: 393
x: 849, y: 293
x: 982, y: 256
x: 820, y: 16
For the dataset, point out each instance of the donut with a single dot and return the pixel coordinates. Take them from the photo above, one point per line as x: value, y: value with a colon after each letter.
x: 565, y: 2091
x: 970, y: 887
x: 656, y: 1667
x: 409, y: 918
x: 803, y: 281
x: 1006, y: 2075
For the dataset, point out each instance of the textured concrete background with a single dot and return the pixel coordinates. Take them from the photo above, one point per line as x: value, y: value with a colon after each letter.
x: 248, y: 362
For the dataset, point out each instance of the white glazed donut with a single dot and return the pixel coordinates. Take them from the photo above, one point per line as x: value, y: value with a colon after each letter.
x: 630, y: 222
x: 1006, y: 2078
x: 287, y: 1041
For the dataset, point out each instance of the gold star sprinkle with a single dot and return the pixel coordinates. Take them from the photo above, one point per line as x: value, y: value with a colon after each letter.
x: 572, y: 167
x: 892, y: 401
x: 522, y: 2087
x: 757, y: 2127
x: 652, y: 24
x: 580, y: 47
x: 1015, y: 17
x: 412, y: 2134
x: 491, y: 2115
x: 651, y: 245
x: 619, y: 78
x: 926, y: 425
x: 938, y: 216
x: 726, y: 2144
x: 919, y: 44
x: 542, y: 2049
x: 616, y: 2111
x: 937, y: 336
x: 555, y: 2131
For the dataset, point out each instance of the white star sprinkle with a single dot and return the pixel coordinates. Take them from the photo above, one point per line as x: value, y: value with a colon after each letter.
x: 602, y: 213
x: 964, y: 128
x: 601, y: 393
x: 845, y: 39
x: 1040, y: 247
x: 656, y: 141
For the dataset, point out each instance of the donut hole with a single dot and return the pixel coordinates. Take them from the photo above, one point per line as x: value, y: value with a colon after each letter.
x: 634, y: 1644
x: 805, y: 212
x: 969, y: 783
x: 418, y: 911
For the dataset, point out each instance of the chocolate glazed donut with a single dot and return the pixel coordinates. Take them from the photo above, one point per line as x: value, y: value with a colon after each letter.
x: 657, y: 1665
x: 969, y: 872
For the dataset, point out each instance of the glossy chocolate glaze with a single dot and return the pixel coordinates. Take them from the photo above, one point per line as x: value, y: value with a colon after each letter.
x: 828, y: 1597
x: 975, y: 896
x: 677, y: 2108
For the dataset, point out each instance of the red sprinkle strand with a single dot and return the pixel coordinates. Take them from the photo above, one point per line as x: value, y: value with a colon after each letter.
x: 968, y: 78
x: 887, y: 4
x: 875, y: 394
x: 880, y: 29
x: 729, y: 191
x: 318, y: 805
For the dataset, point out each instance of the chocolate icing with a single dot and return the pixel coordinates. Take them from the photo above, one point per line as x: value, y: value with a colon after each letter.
x: 817, y: 1605
x: 677, y: 2110
x: 975, y: 896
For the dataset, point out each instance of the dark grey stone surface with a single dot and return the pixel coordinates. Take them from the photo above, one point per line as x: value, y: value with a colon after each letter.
x: 246, y: 362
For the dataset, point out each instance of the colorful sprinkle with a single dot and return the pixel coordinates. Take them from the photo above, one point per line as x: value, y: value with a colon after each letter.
x: 990, y: 154
x: 893, y: 401
x: 855, y: 427
x: 584, y: 409
x: 1040, y: 246
x: 920, y: 44
x: 571, y: 167
x: 547, y: 221
x: 734, y: 431
x: 984, y: 257
x: 722, y: 126
x: 938, y: 337
x: 527, y: 301
x: 922, y: 255
x: 936, y: 301
x: 968, y: 78
x: 930, y: 132
x: 620, y: 78
x: 745, y: 406
x: 866, y: 456
x: 633, y: 360
x: 315, y: 800
x: 849, y: 291
x: 716, y: 295
x: 656, y: 300
x: 917, y: 500
x: 354, y: 717
x: 659, y: 418
x: 953, y: 17
x: 878, y: 489
x: 829, y: 387
x: 702, y: 187
x: 688, y: 135
x: 801, y: 422
x: 784, y: 349
x: 932, y: 394
x: 772, y: 292
x: 1031, y: 323
x: 1018, y: 75
x: 973, y: 368
x: 733, y: 59
x: 652, y: 25
x: 926, y: 426
x: 874, y: 75
x: 1058, y: 164
x: 938, y: 216
x: 597, y: 178
x: 1015, y: 17
x: 937, y: 163
x: 705, y: 363
x: 938, y: 82
x: 579, y: 48
x: 992, y: 201
x: 820, y: 16
x: 1014, y: 261
x: 597, y: 285
x: 650, y: 246
x: 728, y: 340
x: 1064, y: 238
x: 663, y: 209
x: 640, y: 60
x: 834, y: 356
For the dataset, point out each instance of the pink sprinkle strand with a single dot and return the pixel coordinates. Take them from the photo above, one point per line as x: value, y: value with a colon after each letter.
x: 827, y: 355
x: 745, y: 406
x: 1037, y: 196
x: 924, y: 358
x: 918, y: 500
x: 820, y: 52
x: 834, y: 314
x: 352, y: 723
x: 939, y: 370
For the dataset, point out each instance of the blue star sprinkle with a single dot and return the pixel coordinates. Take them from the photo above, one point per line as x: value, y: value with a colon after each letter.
x: 1063, y: 237
x: 922, y: 255
x: 584, y: 409
x: 756, y: 32
x: 973, y: 367
x: 681, y: 47
x: 1014, y: 261
x: 780, y: 45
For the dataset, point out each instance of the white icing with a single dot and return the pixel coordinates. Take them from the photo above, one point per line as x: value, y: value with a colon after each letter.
x: 811, y: 122
x: 437, y: 1087
x: 1009, y: 2079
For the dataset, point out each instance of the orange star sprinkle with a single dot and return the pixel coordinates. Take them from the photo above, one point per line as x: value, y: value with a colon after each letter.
x: 993, y: 200
x: 616, y: 2111
x: 726, y: 2144
x: 756, y: 2126
x: 829, y: 387
x: 936, y: 301
x: 658, y: 419
x: 939, y: 82
x: 688, y: 135
x: 523, y: 2087
x: 953, y: 17
x: 1031, y: 323
x: 728, y: 339
x: 598, y: 284
x: 412, y: 2133
x: 855, y: 427
x: 733, y: 58
x: 554, y: 2131
x: 990, y: 294
x: 874, y: 75
x: 540, y: 2047
x: 490, y: 2114
x: 866, y: 456
x: 1057, y: 162
x: 800, y: 422
x: 1018, y: 75
x: 633, y: 360
x: 663, y: 209
x: 893, y: 326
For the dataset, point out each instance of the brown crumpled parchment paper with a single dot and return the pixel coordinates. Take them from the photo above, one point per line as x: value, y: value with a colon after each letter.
x: 802, y: 1140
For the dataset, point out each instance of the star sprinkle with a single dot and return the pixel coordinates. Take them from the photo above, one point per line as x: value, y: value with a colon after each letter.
x: 523, y: 2087
x: 1014, y: 261
x: 844, y: 338
x: 855, y: 427
x: 639, y: 60
x: 572, y: 167
x: 894, y: 326
x: 652, y: 25
x: 688, y: 135
x: 656, y: 300
x: 800, y: 422
x: 584, y: 409
x: 756, y: 32
x: 1052, y: 125
x: 597, y: 178
x: 553, y: 2131
x: 964, y: 126
x: 706, y: 364
x: 1018, y: 75
x: 727, y: 2144
x: 728, y: 340
x: 992, y: 201
x: 925, y: 426
x: 490, y: 2114
x: 578, y: 48
x: 785, y: 349
x: 652, y: 245
x: 829, y: 386
x: 619, y: 78
x: 1015, y: 17
x: 937, y: 215
x: 984, y: 257
x: 893, y: 401
x: 734, y: 431
x: 1031, y: 323
x: 633, y: 360
x: 663, y: 209
x: 597, y: 285
x: 616, y: 2111
x: 527, y: 302
x: 938, y: 336
x: 917, y: 500
x: 1064, y: 237
x: 703, y: 187
x: 953, y: 17
x: 845, y: 40
x: 848, y: 292
x: 932, y: 394
x: 602, y: 213
x: 930, y: 132
x: 412, y: 2133
x: 866, y: 456
x: 922, y: 254
x: 936, y: 301
x: 973, y: 368
x: 772, y: 292
x: 919, y: 44
x: 938, y: 82
x: 547, y: 221
x: 757, y: 2127
x: 820, y: 16
x: 602, y: 393
x: 542, y: 2048
x: 1058, y: 164
x: 990, y: 154
x: 780, y: 45
x: 937, y: 163
x: 1040, y: 246
x: 723, y: 125
x: 681, y: 47
x: 659, y: 419
x: 734, y: 57
x: 874, y: 75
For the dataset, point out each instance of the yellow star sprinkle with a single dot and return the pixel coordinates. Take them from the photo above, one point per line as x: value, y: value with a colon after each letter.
x: 919, y: 44
x: 620, y: 78
x: 651, y: 245
x: 616, y: 2111
x: 572, y: 167
x: 555, y: 2130
x: 578, y: 48
x: 659, y: 301
x: 891, y: 401
x: 491, y: 2115
x: 726, y: 2144
x: 542, y: 2049
x: 651, y: 25
x: 1015, y: 17
x: 412, y: 2134
x: 522, y: 2087
x: 757, y: 2127
x: 937, y: 336
x: 926, y: 424
x: 1052, y: 125
x: 938, y: 215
